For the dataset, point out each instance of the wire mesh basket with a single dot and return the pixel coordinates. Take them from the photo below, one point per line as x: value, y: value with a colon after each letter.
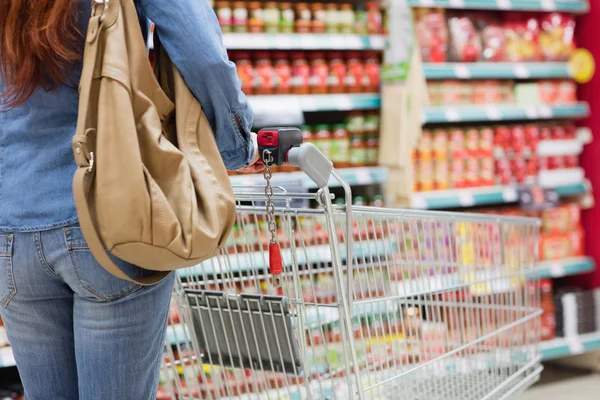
x: 373, y: 303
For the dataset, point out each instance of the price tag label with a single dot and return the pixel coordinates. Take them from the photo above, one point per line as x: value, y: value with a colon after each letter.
x: 521, y: 71
x: 343, y: 103
x: 308, y: 103
x: 510, y: 195
x: 363, y: 177
x: 466, y: 199
x: 531, y: 112
x: 462, y: 71
x: 452, y: 115
x: 557, y: 270
x: 283, y: 42
x: 493, y: 113
x: 352, y: 42
x: 307, y: 41
x: 548, y: 5
x: 545, y: 112
x: 337, y: 42
x: 249, y: 41
x: 504, y: 4
x: 418, y: 202
x: 457, y: 3
x: 575, y: 345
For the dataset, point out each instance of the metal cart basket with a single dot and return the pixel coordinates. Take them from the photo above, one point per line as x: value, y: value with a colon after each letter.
x: 373, y: 303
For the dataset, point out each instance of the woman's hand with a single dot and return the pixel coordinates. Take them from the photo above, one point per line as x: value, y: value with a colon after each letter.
x: 257, y: 165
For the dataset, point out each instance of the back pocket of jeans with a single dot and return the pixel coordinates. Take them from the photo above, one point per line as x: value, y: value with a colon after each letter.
x: 8, y: 288
x: 92, y: 277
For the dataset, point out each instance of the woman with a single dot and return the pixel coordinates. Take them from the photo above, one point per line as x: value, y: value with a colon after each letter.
x: 78, y: 332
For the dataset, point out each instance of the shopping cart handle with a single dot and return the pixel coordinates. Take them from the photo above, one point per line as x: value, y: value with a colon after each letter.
x: 314, y: 163
x: 275, y: 143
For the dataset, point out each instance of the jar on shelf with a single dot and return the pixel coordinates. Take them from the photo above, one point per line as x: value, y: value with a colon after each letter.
x: 300, y: 82
x: 322, y: 139
x: 283, y: 73
x: 346, y: 18
x: 358, y: 150
x: 337, y: 73
x: 355, y: 72
x: 265, y: 74
x: 371, y: 124
x: 332, y: 18
x: 319, y: 73
x: 360, y: 20
x: 302, y: 12
x: 224, y: 15
x: 340, y: 147
x: 240, y: 17
x: 372, y: 72
x: 355, y: 122
x: 272, y: 17
x: 256, y: 22
x: 374, y: 18
x: 245, y: 71
x: 319, y: 21
x: 307, y: 134
x: 372, y: 149
x: 286, y: 24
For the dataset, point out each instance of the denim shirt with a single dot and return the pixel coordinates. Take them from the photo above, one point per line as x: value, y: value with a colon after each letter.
x: 36, y: 160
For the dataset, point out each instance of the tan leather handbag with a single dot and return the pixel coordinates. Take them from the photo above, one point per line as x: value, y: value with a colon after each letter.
x: 151, y: 187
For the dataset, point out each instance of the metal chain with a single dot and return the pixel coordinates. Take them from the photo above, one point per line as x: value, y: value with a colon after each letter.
x: 267, y: 173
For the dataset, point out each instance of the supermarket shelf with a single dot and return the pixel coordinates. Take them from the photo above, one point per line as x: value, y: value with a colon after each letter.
x: 575, y: 6
x: 354, y: 176
x: 503, y: 112
x: 563, y: 347
x: 565, y: 267
x: 6, y: 357
x: 321, y: 102
x: 458, y: 198
x: 302, y: 41
x: 497, y: 70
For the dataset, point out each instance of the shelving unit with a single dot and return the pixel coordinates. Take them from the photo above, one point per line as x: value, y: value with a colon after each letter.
x: 573, y: 6
x: 503, y: 112
x: 563, y: 347
x: 498, y: 70
x: 302, y: 41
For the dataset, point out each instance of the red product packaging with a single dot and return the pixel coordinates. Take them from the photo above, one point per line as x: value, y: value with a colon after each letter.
x: 566, y: 92
x: 472, y: 142
x: 519, y: 169
x: 457, y: 174
x: 265, y: 72
x: 372, y: 71
x: 457, y: 143
x: 245, y: 71
x: 355, y: 72
x: 472, y: 172
x: 554, y: 246
x: 486, y: 142
x: 300, y: 73
x: 532, y: 136
x: 283, y: 73
x: 562, y: 219
x: 493, y: 36
x: 502, y: 137
x: 319, y: 72
x: 559, y: 132
x: 432, y: 34
x: 522, y: 37
x: 517, y: 138
x: 557, y: 41
x: 548, y: 91
x: 543, y: 163
x: 571, y: 161
x: 465, y: 42
x: 556, y: 162
x: 531, y: 168
x: 545, y: 132
x: 486, y: 172
x: 571, y: 131
x: 503, y: 172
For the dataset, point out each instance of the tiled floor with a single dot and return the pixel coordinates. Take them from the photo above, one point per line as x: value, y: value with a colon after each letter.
x: 564, y: 383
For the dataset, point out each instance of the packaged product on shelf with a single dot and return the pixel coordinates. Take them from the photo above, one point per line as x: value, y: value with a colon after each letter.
x: 360, y: 19
x: 337, y: 73
x: 355, y: 122
x: 240, y: 17
x: 283, y: 73
x: 472, y: 142
x: 355, y: 73
x: 532, y: 136
x: 486, y: 142
x: 563, y: 218
x: 272, y: 17
x: 432, y: 34
x: 457, y: 174
x: 372, y: 158
x: 245, y: 71
x: 493, y: 37
x: 332, y: 15
x: 346, y: 18
x: 465, y: 42
x: 319, y: 73
x: 303, y: 18
x: 374, y: 18
x: 441, y: 176
x: 265, y: 74
x: 472, y: 172
x: 522, y: 37
x: 425, y: 145
x: 340, y: 147
x: 224, y: 15
x: 319, y: 22
x: 519, y: 169
x: 517, y: 138
x: 486, y: 172
x: 457, y: 143
x: 322, y: 139
x: 286, y: 24
x: 425, y: 175
x: 557, y: 41
x: 440, y: 144
x: 300, y: 81
x: 256, y: 22
x: 372, y: 72
x: 358, y: 150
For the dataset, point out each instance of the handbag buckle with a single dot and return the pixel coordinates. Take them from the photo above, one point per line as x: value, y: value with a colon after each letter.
x: 104, y: 10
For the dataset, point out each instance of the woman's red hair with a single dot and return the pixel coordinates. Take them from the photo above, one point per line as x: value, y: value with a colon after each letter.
x: 37, y: 46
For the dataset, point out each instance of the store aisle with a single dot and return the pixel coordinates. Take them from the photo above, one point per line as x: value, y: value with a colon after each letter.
x: 584, y: 388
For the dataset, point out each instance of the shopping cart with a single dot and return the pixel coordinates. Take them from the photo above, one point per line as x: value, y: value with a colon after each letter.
x: 371, y: 303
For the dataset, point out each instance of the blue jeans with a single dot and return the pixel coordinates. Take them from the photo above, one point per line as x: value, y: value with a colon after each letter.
x: 78, y: 332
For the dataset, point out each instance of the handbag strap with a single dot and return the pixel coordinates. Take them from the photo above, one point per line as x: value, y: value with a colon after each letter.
x: 84, y: 157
